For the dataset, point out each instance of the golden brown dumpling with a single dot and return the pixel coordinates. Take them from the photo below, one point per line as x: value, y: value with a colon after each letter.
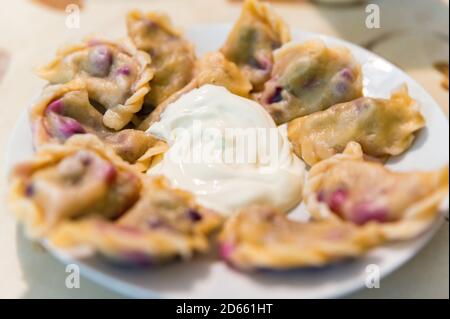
x: 173, y: 56
x: 78, y: 179
x: 116, y: 75
x: 215, y: 69
x: 82, y: 195
x: 164, y: 224
x: 255, y: 35
x: 346, y: 187
x: 310, y: 77
x: 382, y: 127
x: 260, y: 237
x: 64, y: 110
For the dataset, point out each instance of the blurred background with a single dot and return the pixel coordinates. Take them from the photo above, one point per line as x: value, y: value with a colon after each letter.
x: 413, y: 34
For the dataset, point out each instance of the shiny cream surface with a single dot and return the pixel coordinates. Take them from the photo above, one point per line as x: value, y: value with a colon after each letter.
x: 227, y: 151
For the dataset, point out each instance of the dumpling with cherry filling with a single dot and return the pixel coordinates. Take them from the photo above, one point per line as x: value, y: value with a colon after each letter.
x: 345, y: 187
x: 64, y: 110
x: 310, y: 77
x: 382, y: 127
x: 260, y: 237
x: 173, y: 57
x: 116, y: 74
x: 256, y: 34
x: 77, y: 180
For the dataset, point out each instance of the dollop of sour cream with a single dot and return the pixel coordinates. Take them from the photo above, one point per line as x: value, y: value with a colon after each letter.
x: 228, y: 152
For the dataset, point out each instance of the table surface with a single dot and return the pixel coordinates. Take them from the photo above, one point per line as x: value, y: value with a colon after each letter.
x: 413, y: 35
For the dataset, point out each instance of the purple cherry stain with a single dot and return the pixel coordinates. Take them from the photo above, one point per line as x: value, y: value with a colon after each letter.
x: 365, y: 212
x: 341, y: 87
x: 154, y: 222
x: 346, y: 74
x: 100, y: 60
x: 29, y: 190
x: 125, y: 71
x: 86, y: 159
x: 194, y: 215
x: 69, y: 127
x: 261, y: 62
x: 226, y: 250
x: 337, y: 199
x: 321, y: 196
x: 55, y: 106
x: 136, y: 258
x: 276, y: 96
x: 109, y: 173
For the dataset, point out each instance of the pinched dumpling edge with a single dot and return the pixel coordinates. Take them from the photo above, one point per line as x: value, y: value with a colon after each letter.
x: 118, y: 116
x: 162, y: 18
x: 400, y: 97
x: 41, y: 137
x: 265, y: 11
x: 419, y: 217
x: 164, y: 22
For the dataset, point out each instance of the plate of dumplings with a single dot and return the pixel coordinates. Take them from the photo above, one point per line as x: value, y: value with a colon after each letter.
x: 362, y: 182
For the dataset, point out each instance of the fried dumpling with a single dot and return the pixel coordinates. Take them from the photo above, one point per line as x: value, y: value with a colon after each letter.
x: 252, y: 40
x: 261, y: 237
x: 64, y: 110
x: 173, y: 57
x: 382, y: 128
x: 310, y: 77
x: 346, y: 187
x: 214, y: 69
x: 81, y: 195
x: 116, y: 74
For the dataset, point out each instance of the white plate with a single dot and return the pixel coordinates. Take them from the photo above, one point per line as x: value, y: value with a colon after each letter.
x: 206, y: 277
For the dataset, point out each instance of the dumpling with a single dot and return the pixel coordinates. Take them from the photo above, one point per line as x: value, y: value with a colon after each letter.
x: 79, y: 179
x: 346, y: 187
x: 116, y: 74
x: 164, y: 224
x: 64, y: 110
x: 310, y: 77
x: 215, y: 69
x: 261, y: 237
x: 82, y: 195
x: 173, y: 57
x: 382, y: 127
x: 252, y: 40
